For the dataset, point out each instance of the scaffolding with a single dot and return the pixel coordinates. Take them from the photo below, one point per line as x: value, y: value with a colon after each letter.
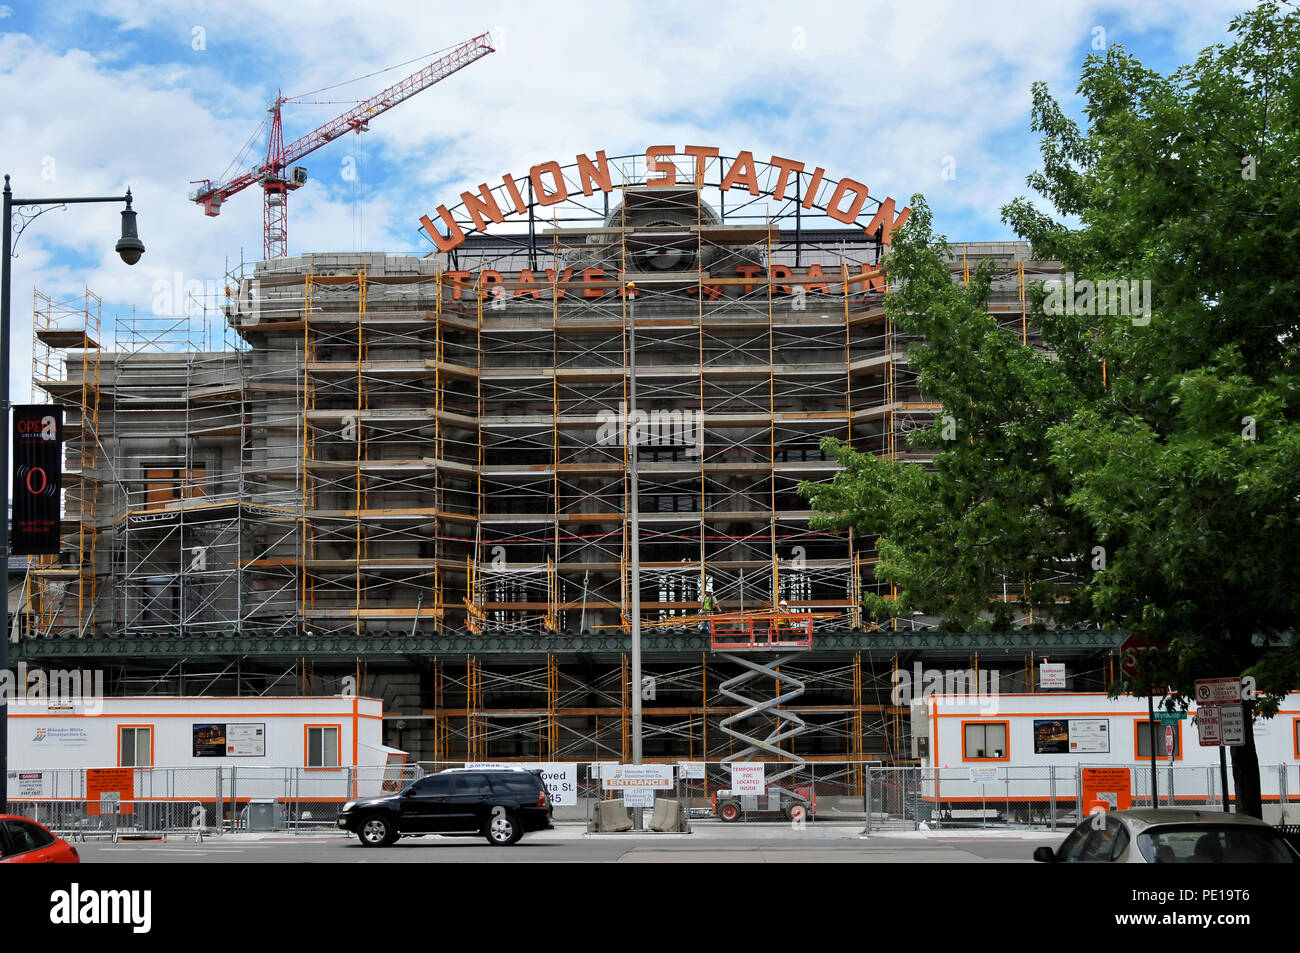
x: 62, y: 590
x: 392, y: 444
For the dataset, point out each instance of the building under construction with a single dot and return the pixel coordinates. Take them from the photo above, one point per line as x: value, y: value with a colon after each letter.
x: 415, y: 472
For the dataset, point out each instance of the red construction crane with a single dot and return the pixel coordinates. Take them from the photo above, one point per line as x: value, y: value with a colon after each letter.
x: 276, y: 184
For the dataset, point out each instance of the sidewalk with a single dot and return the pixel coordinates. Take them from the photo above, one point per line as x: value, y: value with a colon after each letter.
x: 712, y: 830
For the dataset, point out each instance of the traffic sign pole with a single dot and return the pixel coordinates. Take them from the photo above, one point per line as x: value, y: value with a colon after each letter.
x: 1223, y: 774
x: 1151, y: 725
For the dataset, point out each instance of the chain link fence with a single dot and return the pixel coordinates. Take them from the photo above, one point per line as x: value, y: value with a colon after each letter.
x: 879, y: 798
x: 165, y: 801
x: 916, y: 798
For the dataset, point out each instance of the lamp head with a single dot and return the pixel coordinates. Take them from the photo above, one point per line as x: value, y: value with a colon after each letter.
x: 129, y: 245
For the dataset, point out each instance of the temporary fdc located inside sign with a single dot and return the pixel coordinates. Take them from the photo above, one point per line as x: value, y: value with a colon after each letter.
x: 37, y: 478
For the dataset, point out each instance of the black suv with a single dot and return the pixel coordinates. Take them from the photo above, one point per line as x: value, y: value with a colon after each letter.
x: 500, y: 805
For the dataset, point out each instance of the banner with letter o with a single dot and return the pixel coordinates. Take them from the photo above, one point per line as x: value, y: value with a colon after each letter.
x: 37, y: 479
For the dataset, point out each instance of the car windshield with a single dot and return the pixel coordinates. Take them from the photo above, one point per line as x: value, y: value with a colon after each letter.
x: 1207, y: 844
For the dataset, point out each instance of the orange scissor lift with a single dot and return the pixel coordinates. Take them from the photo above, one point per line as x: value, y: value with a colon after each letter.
x: 761, y: 642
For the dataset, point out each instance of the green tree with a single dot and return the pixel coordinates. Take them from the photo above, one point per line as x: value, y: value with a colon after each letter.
x: 1147, y: 463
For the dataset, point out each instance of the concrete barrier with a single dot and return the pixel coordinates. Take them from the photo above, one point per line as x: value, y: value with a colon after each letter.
x: 612, y: 816
x: 669, y: 815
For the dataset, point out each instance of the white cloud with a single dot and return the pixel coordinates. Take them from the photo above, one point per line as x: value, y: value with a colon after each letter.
x: 881, y: 92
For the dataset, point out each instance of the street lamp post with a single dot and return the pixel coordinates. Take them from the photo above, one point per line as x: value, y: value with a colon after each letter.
x: 130, y: 248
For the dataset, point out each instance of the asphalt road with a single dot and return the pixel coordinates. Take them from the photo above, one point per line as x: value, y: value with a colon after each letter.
x: 816, y: 844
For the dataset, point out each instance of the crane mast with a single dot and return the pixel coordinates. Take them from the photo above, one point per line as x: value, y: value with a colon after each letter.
x: 278, y: 177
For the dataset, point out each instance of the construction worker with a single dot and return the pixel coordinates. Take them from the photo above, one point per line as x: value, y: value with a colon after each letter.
x: 708, y: 606
x: 782, y: 620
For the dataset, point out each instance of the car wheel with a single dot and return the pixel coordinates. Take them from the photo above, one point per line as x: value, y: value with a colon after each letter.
x: 503, y: 829
x: 729, y: 811
x: 377, y: 831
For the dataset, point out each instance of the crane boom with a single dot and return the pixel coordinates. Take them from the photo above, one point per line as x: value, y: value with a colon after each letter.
x: 271, y: 172
x: 355, y: 119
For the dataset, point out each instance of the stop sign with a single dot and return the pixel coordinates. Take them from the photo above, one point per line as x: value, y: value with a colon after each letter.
x: 1169, y: 741
x: 1130, y: 652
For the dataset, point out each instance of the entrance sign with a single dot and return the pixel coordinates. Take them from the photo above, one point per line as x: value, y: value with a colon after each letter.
x: 623, y: 776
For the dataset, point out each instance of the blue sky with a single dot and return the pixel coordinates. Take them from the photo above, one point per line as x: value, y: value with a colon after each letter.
x: 152, y: 94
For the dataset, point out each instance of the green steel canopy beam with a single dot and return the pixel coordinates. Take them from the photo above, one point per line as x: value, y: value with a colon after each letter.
x: 396, y: 644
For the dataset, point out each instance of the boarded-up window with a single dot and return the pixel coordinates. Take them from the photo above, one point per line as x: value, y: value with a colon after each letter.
x: 166, y: 485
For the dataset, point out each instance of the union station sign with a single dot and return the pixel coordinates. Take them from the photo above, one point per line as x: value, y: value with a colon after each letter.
x: 846, y: 201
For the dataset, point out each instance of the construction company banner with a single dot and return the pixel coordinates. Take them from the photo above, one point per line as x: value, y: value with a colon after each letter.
x: 624, y: 776
x: 37, y: 479
x: 60, y: 736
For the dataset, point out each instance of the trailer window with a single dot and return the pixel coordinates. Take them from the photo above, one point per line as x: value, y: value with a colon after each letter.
x: 1144, y: 741
x: 135, y: 746
x: 984, y: 741
x: 322, y: 746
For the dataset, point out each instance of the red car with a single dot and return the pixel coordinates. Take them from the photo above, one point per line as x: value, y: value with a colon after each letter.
x: 23, y: 841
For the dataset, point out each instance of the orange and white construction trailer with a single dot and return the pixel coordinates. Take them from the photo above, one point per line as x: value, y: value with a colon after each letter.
x: 981, y: 750
x: 331, y: 747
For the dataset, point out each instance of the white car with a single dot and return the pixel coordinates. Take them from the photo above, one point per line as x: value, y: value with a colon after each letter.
x: 1171, y: 836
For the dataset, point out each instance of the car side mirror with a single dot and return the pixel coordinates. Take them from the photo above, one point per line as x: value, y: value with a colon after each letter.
x: 1045, y: 855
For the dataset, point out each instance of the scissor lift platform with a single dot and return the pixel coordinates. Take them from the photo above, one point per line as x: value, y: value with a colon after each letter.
x: 761, y: 632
